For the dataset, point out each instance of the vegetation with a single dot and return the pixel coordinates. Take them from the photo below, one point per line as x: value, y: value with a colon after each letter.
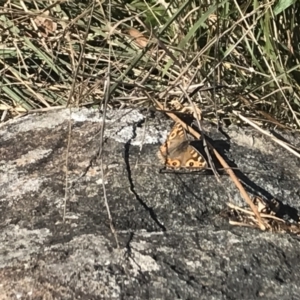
x: 59, y: 53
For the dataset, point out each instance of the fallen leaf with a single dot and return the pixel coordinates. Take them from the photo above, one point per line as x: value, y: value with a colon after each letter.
x: 139, y: 39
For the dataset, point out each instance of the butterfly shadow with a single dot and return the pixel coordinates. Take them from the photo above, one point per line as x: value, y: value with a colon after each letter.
x: 285, y: 210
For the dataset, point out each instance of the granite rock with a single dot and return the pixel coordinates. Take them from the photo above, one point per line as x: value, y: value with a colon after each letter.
x: 170, y: 241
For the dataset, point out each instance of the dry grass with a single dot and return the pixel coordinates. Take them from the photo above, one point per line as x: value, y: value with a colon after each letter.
x: 54, y: 54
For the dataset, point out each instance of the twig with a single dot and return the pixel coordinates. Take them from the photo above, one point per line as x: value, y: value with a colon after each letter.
x: 211, y: 163
x: 67, y: 164
x: 267, y: 216
x: 107, y: 93
x: 239, y: 224
x: 80, y: 59
x: 276, y: 140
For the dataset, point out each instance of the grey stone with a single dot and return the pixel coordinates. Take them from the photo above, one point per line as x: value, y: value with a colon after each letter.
x: 173, y: 243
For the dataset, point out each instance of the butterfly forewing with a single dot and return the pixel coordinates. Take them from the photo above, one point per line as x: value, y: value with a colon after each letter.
x: 178, y: 153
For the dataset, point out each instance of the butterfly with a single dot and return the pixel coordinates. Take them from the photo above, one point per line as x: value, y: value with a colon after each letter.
x: 178, y: 153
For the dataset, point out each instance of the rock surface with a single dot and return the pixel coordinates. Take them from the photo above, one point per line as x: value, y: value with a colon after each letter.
x: 173, y: 244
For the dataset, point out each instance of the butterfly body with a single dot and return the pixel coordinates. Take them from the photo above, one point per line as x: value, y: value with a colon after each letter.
x: 178, y: 153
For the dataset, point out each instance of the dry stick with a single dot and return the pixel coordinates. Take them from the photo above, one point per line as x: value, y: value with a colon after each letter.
x: 80, y: 59
x: 267, y: 216
x: 67, y: 165
x: 107, y: 93
x: 276, y: 140
x: 222, y: 162
x: 70, y: 125
x: 234, y: 223
x: 202, y: 135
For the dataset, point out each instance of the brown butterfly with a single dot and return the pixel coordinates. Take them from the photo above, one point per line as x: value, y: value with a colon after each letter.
x: 178, y: 153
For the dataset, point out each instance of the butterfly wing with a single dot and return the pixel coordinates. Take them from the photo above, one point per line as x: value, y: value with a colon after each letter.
x: 177, y: 152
